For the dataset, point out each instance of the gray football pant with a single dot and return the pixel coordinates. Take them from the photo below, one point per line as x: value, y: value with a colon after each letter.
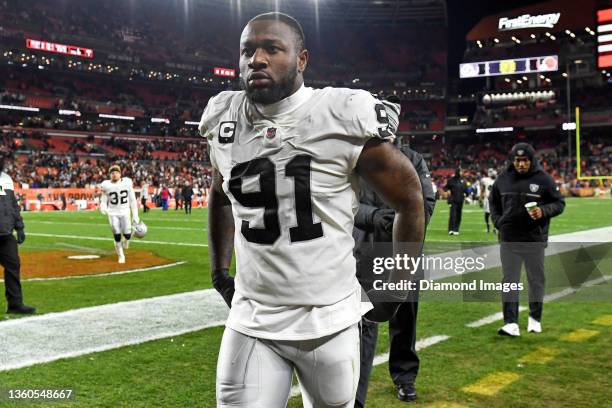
x: 257, y: 373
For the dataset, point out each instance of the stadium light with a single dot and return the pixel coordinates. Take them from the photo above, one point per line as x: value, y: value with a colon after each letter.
x: 495, y: 130
x: 188, y: 122
x: 496, y: 40
x: 533, y: 36
x: 160, y: 120
x: 69, y: 112
x: 121, y: 117
x: 20, y: 108
x: 569, y: 126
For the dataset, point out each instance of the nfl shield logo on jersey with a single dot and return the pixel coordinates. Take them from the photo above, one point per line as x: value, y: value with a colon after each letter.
x: 534, y: 187
x: 271, y: 133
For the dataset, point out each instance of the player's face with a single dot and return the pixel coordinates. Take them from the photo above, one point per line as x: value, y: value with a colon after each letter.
x: 115, y: 176
x: 271, y: 65
x: 522, y: 164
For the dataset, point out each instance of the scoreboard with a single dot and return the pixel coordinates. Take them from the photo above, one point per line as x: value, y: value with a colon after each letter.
x: 604, y: 38
x: 522, y: 66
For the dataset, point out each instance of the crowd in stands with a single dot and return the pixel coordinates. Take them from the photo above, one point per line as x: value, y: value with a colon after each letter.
x: 475, y: 157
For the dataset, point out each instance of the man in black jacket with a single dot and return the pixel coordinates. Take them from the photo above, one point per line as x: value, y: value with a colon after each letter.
x: 10, y: 219
x: 522, y: 202
x: 373, y: 224
x: 457, y: 189
x: 187, y: 194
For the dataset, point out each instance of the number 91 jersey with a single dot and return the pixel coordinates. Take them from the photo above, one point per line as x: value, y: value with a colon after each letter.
x: 117, y: 195
x: 287, y: 169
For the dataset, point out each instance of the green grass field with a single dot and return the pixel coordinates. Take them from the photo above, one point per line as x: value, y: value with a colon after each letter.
x: 179, y: 371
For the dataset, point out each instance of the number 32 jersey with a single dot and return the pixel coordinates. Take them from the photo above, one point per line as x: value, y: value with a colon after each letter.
x: 116, y: 196
x: 288, y: 169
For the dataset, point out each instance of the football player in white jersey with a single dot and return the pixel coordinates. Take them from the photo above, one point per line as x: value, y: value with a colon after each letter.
x: 285, y: 163
x: 486, y: 183
x: 118, y: 201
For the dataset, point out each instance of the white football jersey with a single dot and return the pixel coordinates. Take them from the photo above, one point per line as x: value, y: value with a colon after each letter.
x: 486, y: 183
x: 288, y: 170
x: 117, y: 196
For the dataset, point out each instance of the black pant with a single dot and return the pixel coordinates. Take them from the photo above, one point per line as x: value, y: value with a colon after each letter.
x: 9, y: 259
x: 454, y: 220
x: 187, y: 205
x: 403, y: 359
x: 513, y: 255
x: 143, y: 201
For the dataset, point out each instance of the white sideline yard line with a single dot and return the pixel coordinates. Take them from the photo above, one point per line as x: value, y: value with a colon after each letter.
x: 42, y: 339
x: 107, y: 225
x: 491, y: 318
x: 548, y: 298
x: 105, y: 274
x: 139, y: 241
x: 384, y: 357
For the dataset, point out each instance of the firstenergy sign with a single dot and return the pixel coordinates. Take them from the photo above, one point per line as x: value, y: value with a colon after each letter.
x: 529, y: 21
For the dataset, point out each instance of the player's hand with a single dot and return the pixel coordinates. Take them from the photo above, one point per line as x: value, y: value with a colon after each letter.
x: 536, y: 213
x: 224, y: 284
x: 21, y: 236
x: 136, y: 220
x: 383, y: 219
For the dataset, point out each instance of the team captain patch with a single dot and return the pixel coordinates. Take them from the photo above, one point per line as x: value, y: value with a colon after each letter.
x: 227, y: 130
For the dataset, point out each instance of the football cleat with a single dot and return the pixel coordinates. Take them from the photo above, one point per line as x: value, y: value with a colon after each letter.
x: 510, y: 329
x: 533, y: 326
x: 140, y: 229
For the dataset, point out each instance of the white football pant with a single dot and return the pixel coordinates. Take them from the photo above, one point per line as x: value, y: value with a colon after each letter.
x: 257, y: 373
x: 120, y: 224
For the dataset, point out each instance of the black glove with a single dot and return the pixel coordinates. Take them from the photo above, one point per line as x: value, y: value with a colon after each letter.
x: 384, y: 306
x: 20, y: 236
x: 383, y: 219
x: 224, y: 284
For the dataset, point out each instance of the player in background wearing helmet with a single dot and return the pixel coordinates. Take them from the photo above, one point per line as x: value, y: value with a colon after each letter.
x: 118, y: 201
x: 485, y: 190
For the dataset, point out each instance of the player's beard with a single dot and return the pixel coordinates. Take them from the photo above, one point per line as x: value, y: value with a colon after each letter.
x: 273, y: 93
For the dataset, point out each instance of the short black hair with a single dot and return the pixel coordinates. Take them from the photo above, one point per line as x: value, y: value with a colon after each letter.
x: 290, y: 21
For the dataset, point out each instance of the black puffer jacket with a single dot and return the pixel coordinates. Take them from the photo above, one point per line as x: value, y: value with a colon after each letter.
x: 509, y: 194
x: 10, y: 216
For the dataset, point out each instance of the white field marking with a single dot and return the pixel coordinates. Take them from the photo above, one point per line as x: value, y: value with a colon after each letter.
x: 42, y: 339
x: 133, y: 241
x: 105, y: 274
x: 548, y: 298
x: 384, y: 357
x: 84, y: 248
x: 108, y: 226
x: 188, y: 219
x: 491, y: 318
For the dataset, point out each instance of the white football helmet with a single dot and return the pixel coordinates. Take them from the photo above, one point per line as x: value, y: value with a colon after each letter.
x: 140, y: 229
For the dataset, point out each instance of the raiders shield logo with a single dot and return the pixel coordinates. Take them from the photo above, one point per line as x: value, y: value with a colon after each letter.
x: 227, y: 130
x: 534, y: 188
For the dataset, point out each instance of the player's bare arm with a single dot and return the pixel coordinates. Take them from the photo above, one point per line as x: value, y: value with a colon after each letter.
x: 394, y: 178
x: 220, y: 238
